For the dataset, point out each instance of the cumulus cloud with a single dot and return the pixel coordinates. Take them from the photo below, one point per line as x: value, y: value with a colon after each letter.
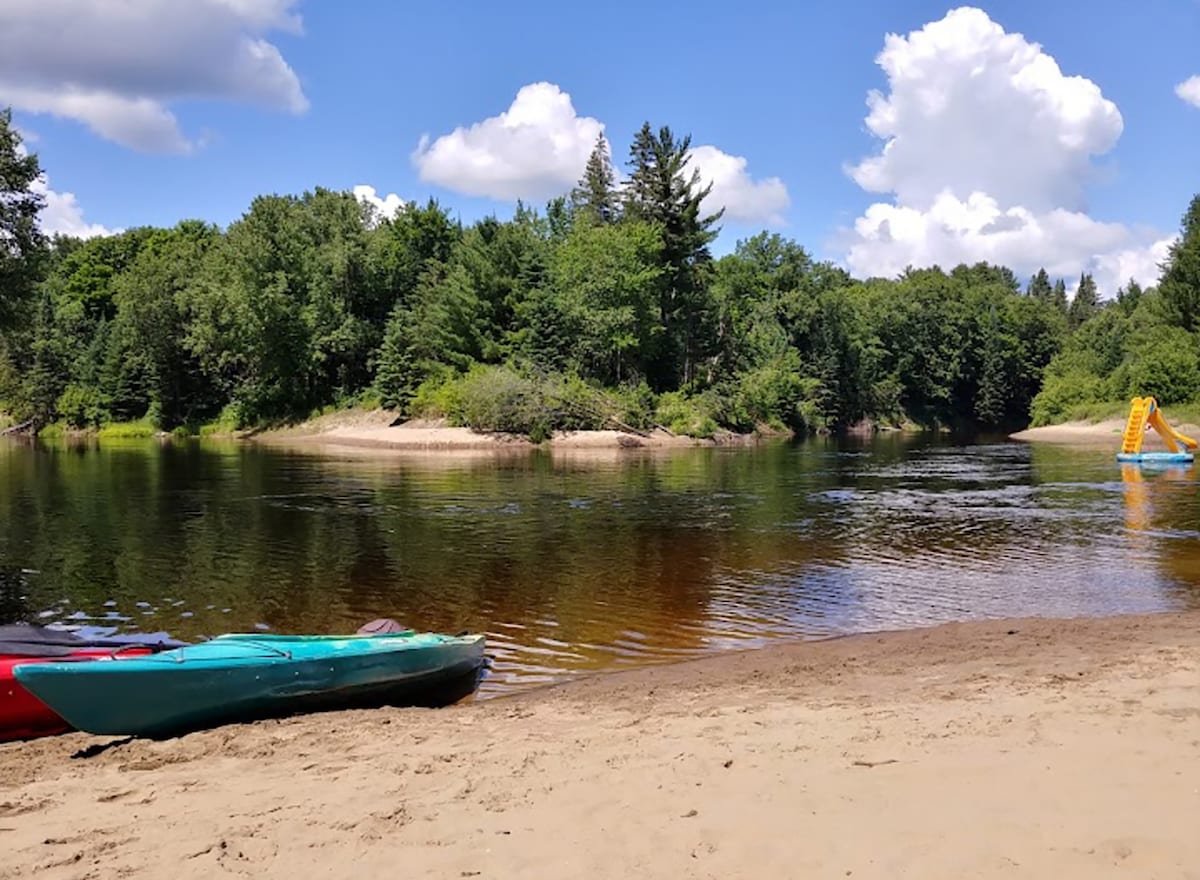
x: 386, y: 206
x: 742, y: 197
x: 1189, y: 90
x: 117, y: 67
x: 63, y: 215
x: 536, y: 149
x: 988, y: 151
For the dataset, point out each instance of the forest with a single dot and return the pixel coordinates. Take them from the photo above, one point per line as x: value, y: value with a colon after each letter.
x: 603, y: 307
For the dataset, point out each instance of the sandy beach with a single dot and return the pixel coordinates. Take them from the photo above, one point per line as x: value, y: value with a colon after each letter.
x: 1106, y: 432
x: 381, y: 430
x: 1033, y: 748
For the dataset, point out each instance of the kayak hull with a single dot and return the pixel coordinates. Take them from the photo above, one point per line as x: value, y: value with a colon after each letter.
x: 238, y: 678
x: 24, y: 716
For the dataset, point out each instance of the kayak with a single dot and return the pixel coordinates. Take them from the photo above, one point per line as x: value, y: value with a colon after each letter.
x: 24, y: 716
x: 245, y: 677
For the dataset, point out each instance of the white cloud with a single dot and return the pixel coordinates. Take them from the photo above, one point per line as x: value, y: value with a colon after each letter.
x: 988, y: 151
x: 742, y: 197
x: 116, y: 67
x: 387, y: 206
x: 1142, y: 264
x: 534, y: 150
x: 539, y: 146
x: 63, y: 215
x: 1189, y: 90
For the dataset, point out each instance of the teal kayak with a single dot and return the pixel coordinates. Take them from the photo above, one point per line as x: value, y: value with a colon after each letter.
x: 243, y: 677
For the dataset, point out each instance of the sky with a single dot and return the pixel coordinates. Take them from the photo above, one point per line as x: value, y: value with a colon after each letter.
x: 879, y: 134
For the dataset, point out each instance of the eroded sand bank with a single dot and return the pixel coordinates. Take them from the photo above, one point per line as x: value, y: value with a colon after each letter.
x: 1067, y: 749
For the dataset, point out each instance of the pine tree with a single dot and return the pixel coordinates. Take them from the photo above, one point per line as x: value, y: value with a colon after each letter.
x: 1060, y: 296
x: 1040, y: 287
x: 1085, y: 304
x: 1180, y: 284
x: 23, y: 244
x: 595, y: 198
x: 1129, y: 296
x: 661, y: 191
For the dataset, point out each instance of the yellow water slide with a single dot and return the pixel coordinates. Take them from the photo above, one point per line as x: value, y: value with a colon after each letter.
x: 1170, y: 436
x: 1144, y: 413
x: 1135, y: 427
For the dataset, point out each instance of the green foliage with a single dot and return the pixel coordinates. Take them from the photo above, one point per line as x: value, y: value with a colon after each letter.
x: 141, y: 429
x: 1180, y: 283
x: 607, y: 309
x: 22, y: 244
x: 82, y: 407
x: 1163, y: 364
x: 681, y: 414
x: 595, y: 199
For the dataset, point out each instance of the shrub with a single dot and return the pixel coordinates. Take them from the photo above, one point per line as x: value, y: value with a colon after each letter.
x: 686, y: 415
x: 82, y: 407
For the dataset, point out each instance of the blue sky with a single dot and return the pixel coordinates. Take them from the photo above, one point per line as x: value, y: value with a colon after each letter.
x: 353, y: 88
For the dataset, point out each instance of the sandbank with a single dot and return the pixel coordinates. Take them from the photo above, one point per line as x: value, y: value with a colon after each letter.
x: 383, y: 430
x: 1106, y: 432
x: 1032, y: 748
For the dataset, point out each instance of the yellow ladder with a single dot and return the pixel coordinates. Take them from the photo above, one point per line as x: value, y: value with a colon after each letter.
x: 1135, y: 429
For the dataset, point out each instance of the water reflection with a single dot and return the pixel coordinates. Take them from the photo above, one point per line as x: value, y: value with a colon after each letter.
x: 572, y: 563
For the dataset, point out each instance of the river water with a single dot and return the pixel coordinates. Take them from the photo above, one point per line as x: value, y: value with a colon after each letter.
x: 572, y: 563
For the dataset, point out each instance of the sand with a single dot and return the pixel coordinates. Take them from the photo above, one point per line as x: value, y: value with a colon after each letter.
x: 381, y: 430
x: 1067, y: 749
x: 1104, y: 433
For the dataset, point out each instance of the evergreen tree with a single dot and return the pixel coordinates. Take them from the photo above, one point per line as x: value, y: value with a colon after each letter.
x: 595, y: 198
x: 1129, y: 296
x: 22, y: 244
x: 1040, y: 287
x: 1085, y: 304
x: 1060, y: 296
x: 1180, y: 284
x: 660, y: 191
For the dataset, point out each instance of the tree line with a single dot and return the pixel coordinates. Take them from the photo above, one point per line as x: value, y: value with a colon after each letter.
x: 604, y: 307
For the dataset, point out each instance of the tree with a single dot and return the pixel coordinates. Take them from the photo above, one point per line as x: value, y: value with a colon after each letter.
x: 1040, y: 287
x: 1129, y: 296
x: 1180, y: 283
x: 595, y: 199
x: 22, y: 244
x: 605, y: 280
x: 1085, y: 303
x: 661, y: 192
x: 1060, y: 296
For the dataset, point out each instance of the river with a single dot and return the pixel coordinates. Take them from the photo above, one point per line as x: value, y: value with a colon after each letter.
x: 572, y: 563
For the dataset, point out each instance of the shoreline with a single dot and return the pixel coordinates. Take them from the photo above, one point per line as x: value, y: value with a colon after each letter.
x: 381, y: 430
x: 1104, y: 432
x: 998, y: 748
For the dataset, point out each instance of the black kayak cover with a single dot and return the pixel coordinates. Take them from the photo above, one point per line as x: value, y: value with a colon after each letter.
x: 29, y: 640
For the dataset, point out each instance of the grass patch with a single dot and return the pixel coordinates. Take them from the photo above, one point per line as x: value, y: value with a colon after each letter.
x: 225, y: 423
x: 142, y: 429
x: 53, y: 431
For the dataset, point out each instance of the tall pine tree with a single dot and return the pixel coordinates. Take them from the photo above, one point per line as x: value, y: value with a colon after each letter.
x: 595, y: 198
x: 661, y: 191
x: 22, y: 245
x: 1060, y: 296
x: 1040, y: 288
x: 1180, y: 284
x: 1085, y: 304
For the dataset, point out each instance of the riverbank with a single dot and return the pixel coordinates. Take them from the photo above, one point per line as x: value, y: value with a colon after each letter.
x: 382, y: 429
x: 1103, y: 432
x: 996, y: 749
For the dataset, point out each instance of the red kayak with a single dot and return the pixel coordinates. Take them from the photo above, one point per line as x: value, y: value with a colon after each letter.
x: 22, y: 715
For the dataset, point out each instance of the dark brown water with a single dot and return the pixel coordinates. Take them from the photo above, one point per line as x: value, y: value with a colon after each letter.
x: 572, y: 564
